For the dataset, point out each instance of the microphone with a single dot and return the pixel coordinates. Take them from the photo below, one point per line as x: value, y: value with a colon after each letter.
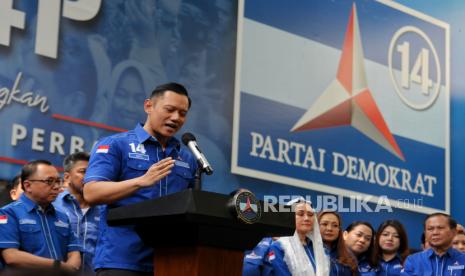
x: 188, y: 139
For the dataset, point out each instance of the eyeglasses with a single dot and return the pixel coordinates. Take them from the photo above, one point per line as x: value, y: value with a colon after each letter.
x: 49, y: 181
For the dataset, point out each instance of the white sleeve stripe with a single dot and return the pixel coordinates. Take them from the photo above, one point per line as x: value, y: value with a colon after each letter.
x: 9, y: 242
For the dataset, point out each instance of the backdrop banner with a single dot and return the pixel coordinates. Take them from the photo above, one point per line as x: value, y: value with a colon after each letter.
x: 344, y: 97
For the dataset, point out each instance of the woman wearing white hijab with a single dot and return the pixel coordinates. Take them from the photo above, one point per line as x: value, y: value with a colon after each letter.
x: 303, y: 253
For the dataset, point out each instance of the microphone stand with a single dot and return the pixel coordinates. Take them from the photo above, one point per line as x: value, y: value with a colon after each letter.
x: 198, y: 179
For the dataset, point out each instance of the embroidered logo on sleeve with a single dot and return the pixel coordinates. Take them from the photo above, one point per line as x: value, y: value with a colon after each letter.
x: 3, y: 219
x: 103, y: 149
x: 253, y: 256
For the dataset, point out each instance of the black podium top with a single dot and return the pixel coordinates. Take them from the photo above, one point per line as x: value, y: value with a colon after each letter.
x: 190, y: 218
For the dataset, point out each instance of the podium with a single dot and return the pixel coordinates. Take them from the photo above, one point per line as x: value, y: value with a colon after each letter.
x: 194, y: 233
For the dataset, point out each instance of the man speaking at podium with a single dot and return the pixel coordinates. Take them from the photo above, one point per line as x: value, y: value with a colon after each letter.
x: 144, y: 163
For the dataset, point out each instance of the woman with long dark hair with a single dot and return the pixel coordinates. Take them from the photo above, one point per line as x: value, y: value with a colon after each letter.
x: 359, y: 238
x: 391, y: 247
x: 342, y: 261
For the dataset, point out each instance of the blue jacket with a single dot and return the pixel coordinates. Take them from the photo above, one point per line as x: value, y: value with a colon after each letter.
x: 254, y: 260
x: 126, y: 156
x: 427, y: 263
x: 365, y: 269
x: 45, y: 233
x: 392, y: 267
x: 84, y: 226
x: 336, y: 268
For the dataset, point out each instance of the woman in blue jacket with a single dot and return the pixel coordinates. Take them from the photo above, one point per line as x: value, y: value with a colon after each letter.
x: 342, y: 261
x: 391, y: 247
x: 359, y: 238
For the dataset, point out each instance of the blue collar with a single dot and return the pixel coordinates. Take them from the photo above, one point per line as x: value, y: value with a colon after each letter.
x: 449, y: 253
x: 66, y: 195
x: 143, y: 136
x: 31, y: 205
x: 396, y: 257
x: 362, y: 258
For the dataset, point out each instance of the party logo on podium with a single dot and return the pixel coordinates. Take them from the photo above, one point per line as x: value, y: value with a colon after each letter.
x: 352, y: 103
x: 246, y: 207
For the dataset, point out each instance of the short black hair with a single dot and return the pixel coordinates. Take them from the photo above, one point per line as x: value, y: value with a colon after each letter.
x: 171, y: 86
x: 452, y: 222
x: 30, y: 169
x: 13, y: 183
x: 72, y: 159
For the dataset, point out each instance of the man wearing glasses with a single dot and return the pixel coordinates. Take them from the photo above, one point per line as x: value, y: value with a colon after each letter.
x: 32, y: 233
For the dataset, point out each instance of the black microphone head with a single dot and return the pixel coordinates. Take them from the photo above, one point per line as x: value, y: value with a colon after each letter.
x: 187, y: 137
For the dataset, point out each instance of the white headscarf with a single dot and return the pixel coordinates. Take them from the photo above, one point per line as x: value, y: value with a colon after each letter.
x: 105, y: 97
x: 295, y: 256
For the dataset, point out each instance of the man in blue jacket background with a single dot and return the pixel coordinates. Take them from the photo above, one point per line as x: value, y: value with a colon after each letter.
x: 33, y: 234
x: 441, y: 258
x: 84, y: 219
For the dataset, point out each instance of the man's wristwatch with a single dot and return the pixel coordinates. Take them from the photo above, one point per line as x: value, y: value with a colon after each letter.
x: 56, y: 264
